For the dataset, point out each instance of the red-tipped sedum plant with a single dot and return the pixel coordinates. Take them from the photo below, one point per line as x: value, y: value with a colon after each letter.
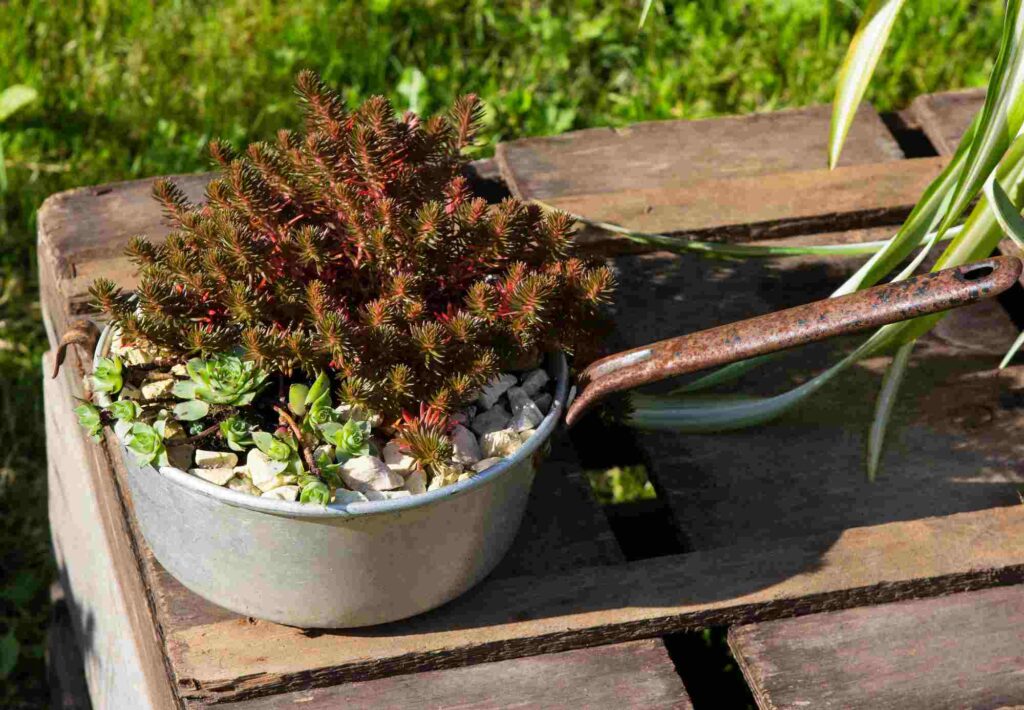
x: 355, y: 248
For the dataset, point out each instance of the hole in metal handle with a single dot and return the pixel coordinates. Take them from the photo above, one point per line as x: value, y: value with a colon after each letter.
x: 977, y: 272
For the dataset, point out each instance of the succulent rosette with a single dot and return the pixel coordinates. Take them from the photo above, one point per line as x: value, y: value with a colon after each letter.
x: 224, y: 379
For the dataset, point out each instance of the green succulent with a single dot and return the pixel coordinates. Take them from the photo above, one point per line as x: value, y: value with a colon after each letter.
x: 89, y: 417
x: 317, y: 406
x: 297, y: 394
x: 272, y: 446
x: 224, y: 379
x: 283, y: 450
x: 314, y: 491
x: 349, y: 439
x: 147, y: 443
x: 237, y: 433
x: 125, y: 410
x: 106, y: 376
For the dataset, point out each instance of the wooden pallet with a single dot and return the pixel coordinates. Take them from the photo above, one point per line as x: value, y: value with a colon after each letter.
x: 754, y: 526
x: 953, y: 652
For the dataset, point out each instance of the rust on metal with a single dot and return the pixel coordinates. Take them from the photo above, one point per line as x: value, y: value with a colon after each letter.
x: 899, y: 301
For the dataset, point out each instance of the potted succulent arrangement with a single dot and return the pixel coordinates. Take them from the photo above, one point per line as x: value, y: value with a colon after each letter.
x: 337, y: 375
x: 331, y: 376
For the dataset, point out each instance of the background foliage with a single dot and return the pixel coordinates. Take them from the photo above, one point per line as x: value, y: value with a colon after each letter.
x: 130, y: 89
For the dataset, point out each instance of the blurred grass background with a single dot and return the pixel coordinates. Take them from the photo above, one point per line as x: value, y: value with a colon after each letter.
x: 130, y: 89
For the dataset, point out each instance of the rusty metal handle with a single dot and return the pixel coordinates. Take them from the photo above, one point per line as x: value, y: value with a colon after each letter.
x: 891, y: 303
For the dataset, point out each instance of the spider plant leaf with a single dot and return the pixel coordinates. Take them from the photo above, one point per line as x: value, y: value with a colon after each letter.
x: 643, y: 13
x: 919, y: 225
x: 1006, y: 213
x: 977, y: 239
x: 712, y: 413
x: 891, y: 382
x: 678, y: 245
x: 1012, y: 351
x: 14, y: 98
x: 1008, y: 216
x: 728, y: 373
x: 858, y: 66
x: 1001, y: 115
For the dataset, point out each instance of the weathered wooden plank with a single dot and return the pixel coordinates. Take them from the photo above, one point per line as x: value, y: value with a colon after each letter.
x: 945, y: 116
x: 629, y: 675
x: 738, y: 178
x: 117, y: 635
x: 673, y: 154
x: 738, y: 209
x: 530, y: 615
x: 962, y: 651
x: 952, y: 445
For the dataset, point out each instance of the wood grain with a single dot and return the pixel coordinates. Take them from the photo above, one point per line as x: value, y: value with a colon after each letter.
x: 628, y: 675
x: 749, y: 208
x: 674, y: 154
x: 531, y: 615
x: 952, y: 445
x: 962, y: 651
x: 729, y: 179
x: 945, y: 116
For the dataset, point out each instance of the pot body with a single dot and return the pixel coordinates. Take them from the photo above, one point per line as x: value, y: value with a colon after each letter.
x: 341, y: 566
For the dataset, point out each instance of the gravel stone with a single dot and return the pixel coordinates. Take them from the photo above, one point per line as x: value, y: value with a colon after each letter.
x: 263, y: 469
x: 215, y: 459
x: 501, y: 443
x: 496, y: 387
x: 491, y: 420
x: 525, y: 414
x: 216, y: 476
x: 289, y: 493
x: 464, y: 443
x: 416, y: 482
x: 534, y: 381
x: 483, y: 465
x: 366, y: 473
x: 157, y: 389
x: 399, y: 462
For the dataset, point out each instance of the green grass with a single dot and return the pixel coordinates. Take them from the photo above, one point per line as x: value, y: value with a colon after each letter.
x: 130, y: 89
x: 622, y: 484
